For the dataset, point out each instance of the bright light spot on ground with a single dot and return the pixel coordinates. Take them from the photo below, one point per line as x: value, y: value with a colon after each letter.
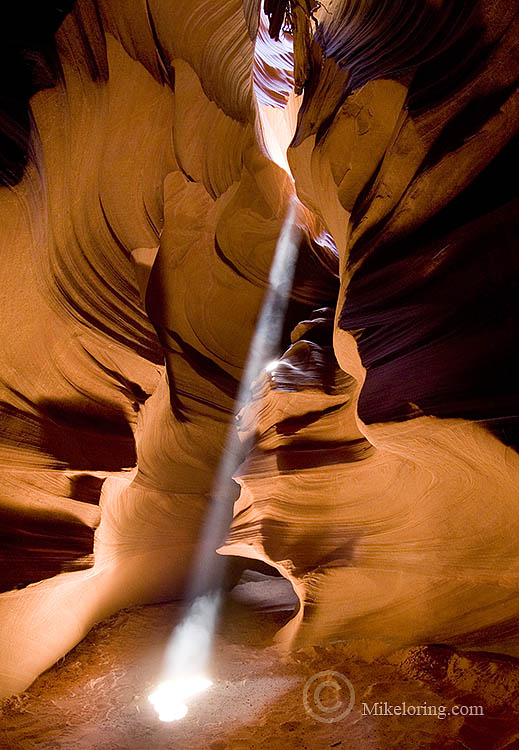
x: 170, y: 696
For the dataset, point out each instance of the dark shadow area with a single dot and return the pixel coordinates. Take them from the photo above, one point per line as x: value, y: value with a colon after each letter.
x: 32, y: 549
x: 86, y: 488
x: 28, y: 64
x: 86, y: 440
x: 438, y: 314
x: 67, y: 435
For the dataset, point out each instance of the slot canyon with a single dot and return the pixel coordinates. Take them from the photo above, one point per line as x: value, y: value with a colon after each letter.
x: 259, y: 308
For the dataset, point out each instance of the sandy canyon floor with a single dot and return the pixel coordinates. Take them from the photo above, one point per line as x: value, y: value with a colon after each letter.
x: 96, y: 698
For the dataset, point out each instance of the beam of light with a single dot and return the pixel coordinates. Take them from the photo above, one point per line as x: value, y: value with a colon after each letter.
x: 188, y: 652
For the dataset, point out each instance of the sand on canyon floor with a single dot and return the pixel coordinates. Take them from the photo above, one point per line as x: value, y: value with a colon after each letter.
x: 96, y: 698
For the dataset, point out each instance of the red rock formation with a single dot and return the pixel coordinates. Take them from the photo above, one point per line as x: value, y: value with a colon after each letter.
x: 146, y: 185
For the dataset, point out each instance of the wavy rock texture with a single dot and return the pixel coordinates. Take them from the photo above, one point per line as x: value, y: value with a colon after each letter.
x: 388, y: 541
x: 145, y: 174
x: 145, y: 187
x: 368, y: 531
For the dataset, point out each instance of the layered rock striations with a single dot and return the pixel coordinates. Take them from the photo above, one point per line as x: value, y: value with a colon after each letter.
x: 147, y: 178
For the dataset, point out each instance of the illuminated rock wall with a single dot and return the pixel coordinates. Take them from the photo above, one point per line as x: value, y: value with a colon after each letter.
x: 145, y: 187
